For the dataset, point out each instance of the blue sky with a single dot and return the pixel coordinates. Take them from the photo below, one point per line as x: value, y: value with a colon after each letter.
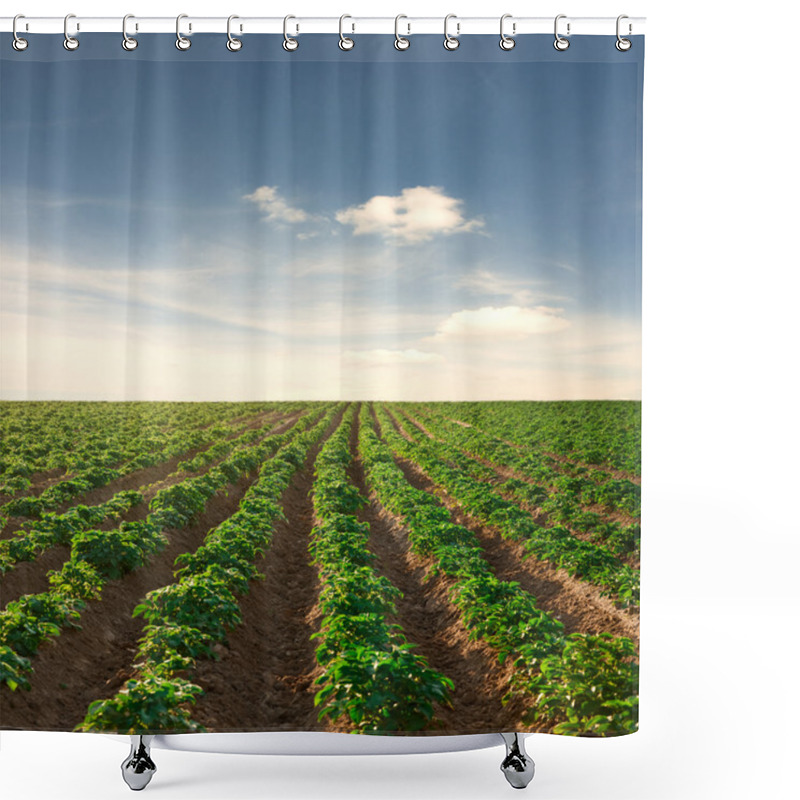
x: 242, y: 229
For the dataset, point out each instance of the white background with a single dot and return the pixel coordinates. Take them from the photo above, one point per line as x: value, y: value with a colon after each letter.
x: 721, y: 611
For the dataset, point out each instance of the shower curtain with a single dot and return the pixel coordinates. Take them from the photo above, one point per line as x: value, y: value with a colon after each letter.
x: 320, y: 385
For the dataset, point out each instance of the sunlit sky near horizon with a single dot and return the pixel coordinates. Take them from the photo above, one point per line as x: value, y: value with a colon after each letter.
x: 320, y: 229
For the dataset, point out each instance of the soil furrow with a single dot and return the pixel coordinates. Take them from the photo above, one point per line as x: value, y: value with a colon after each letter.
x: 265, y: 672
x: 432, y: 622
x: 575, y: 603
x: 80, y: 666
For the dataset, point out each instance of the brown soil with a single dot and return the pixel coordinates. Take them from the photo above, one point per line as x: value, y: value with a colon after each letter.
x: 577, y: 604
x: 431, y: 621
x: 264, y: 675
x: 80, y: 666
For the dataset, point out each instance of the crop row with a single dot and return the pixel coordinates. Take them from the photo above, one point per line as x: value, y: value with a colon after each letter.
x: 557, y: 545
x: 76, y: 436
x: 101, y: 474
x: 586, y: 694
x: 558, y: 496
x: 589, y: 485
x: 370, y: 672
x: 602, y: 433
x: 98, y: 556
x: 185, y: 619
x: 51, y: 529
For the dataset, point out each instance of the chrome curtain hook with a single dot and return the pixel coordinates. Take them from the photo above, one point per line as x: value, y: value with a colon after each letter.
x: 451, y: 42
x: 623, y: 44
x: 560, y: 42
x: 289, y: 44
x: 345, y: 43
x: 70, y: 42
x: 128, y: 42
x: 233, y: 44
x: 18, y: 43
x: 400, y: 42
x: 507, y: 42
x: 181, y: 42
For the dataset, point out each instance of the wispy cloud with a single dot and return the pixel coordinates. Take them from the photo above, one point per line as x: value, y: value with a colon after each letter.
x: 274, y: 207
x: 518, y: 291
x: 497, y: 324
x: 416, y: 215
x: 381, y: 357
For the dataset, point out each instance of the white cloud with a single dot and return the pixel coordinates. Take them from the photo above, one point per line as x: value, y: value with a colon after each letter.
x: 274, y: 207
x: 506, y: 323
x: 415, y: 215
x: 392, y: 357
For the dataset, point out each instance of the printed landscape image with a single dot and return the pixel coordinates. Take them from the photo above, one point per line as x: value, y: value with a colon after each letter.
x: 320, y: 389
x: 362, y: 567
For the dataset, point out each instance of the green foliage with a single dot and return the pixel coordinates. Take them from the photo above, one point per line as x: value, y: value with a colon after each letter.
x: 197, y: 602
x: 382, y: 690
x: 370, y: 673
x: 77, y: 579
x: 186, y: 618
x: 590, y: 688
x: 114, y: 553
x: 471, y: 484
x: 154, y: 703
x: 13, y: 669
x: 25, y: 623
x: 501, y: 613
x: 163, y: 642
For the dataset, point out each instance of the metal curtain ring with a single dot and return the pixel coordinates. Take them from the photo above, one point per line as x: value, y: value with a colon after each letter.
x: 451, y: 42
x: 181, y: 42
x: 70, y: 42
x: 506, y: 42
x: 289, y: 44
x: 345, y: 43
x: 400, y: 42
x: 18, y: 43
x: 560, y: 42
x: 128, y: 42
x: 233, y: 44
x: 622, y: 44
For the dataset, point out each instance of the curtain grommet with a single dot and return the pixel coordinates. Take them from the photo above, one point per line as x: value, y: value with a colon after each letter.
x: 401, y: 42
x: 233, y: 44
x: 18, y: 43
x: 345, y: 42
x: 560, y: 43
x: 70, y: 42
x: 451, y: 42
x: 290, y: 44
x: 181, y: 41
x: 129, y: 43
x: 507, y: 42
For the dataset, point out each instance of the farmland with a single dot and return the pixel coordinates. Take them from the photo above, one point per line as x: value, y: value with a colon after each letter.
x: 365, y: 567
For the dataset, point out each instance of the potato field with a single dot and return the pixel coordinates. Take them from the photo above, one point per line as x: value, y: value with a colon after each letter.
x: 356, y: 567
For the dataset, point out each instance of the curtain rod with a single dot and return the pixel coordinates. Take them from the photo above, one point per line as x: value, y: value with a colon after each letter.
x: 462, y: 26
